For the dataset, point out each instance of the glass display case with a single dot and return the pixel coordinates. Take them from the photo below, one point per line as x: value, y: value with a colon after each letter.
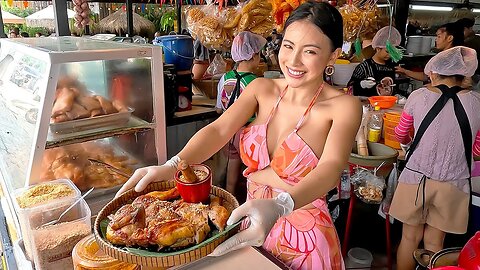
x: 70, y: 105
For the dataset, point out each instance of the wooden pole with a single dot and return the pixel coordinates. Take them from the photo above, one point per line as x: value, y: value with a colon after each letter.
x: 129, y: 18
x: 179, y: 16
x: 61, y: 18
x: 401, y: 17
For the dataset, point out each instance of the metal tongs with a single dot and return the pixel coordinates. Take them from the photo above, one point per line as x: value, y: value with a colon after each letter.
x: 108, y: 166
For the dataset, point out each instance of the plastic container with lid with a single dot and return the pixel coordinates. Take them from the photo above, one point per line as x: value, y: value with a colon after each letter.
x: 42, y: 211
x: 87, y: 255
x: 52, y: 245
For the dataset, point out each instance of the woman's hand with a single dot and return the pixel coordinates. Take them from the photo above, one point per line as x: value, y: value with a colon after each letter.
x: 144, y: 176
x: 263, y: 214
x: 400, y: 70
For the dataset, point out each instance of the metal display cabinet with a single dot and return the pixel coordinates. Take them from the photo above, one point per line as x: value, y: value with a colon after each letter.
x: 31, y: 69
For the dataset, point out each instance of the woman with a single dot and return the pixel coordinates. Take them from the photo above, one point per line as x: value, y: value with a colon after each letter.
x: 448, y: 36
x: 433, y: 194
x: 295, y: 149
x: 375, y: 75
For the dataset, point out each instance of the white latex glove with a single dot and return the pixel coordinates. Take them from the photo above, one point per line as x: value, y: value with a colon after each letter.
x: 144, y: 176
x: 368, y: 83
x: 263, y: 214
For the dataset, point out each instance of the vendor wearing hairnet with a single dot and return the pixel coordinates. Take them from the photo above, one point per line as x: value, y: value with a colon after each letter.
x: 448, y: 36
x: 434, y: 190
x: 375, y: 76
x: 245, y: 52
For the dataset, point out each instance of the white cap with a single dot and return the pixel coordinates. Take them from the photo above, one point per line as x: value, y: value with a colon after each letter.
x: 458, y: 60
x: 245, y: 45
x: 381, y: 37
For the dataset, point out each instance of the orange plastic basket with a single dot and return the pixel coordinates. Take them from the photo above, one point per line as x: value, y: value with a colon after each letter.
x: 389, y: 122
x: 384, y: 102
x: 389, y: 136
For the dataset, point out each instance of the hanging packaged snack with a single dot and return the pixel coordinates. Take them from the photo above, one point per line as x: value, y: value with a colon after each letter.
x: 215, y: 28
x: 361, y: 21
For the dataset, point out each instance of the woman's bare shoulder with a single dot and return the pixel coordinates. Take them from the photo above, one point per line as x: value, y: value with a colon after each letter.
x: 338, y: 100
x: 266, y: 87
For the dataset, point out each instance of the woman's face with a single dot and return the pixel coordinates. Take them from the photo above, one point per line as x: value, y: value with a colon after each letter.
x: 304, y: 54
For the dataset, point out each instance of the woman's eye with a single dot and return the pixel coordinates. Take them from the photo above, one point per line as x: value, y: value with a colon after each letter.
x: 287, y: 46
x: 310, y: 52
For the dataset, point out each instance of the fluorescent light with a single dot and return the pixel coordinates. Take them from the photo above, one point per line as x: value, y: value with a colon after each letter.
x: 383, y: 5
x: 476, y: 10
x: 430, y: 8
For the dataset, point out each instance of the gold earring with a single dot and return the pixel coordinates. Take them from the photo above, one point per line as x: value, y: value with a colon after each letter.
x: 329, y: 70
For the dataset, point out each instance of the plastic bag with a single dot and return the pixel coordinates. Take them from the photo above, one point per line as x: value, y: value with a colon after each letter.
x: 217, y: 67
x: 367, y: 186
x: 205, y: 23
x: 216, y: 28
x: 361, y: 21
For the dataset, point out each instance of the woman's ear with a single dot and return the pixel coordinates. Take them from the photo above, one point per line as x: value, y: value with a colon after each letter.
x: 333, y: 57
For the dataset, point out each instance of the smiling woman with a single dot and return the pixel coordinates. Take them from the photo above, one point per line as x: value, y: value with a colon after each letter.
x: 294, y: 150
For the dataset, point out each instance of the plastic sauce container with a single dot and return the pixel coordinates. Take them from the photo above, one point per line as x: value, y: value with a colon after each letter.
x: 87, y: 255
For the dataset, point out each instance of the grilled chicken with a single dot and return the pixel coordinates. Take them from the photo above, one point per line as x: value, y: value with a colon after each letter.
x: 217, y: 213
x: 127, y: 226
x: 153, y: 220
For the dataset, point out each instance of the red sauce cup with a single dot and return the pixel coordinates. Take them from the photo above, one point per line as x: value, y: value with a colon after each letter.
x: 195, y: 192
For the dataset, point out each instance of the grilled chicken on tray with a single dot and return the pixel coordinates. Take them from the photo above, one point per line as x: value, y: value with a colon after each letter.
x: 161, y: 218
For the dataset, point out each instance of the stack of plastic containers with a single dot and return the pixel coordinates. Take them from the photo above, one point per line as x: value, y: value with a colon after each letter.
x: 50, y: 246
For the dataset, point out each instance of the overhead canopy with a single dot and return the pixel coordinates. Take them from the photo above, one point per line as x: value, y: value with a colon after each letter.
x: 117, y: 23
x: 10, y: 18
x: 45, y: 18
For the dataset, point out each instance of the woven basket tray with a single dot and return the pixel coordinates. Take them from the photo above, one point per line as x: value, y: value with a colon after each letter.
x: 153, y: 259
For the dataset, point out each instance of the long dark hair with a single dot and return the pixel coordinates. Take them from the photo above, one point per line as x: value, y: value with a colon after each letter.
x: 324, y: 16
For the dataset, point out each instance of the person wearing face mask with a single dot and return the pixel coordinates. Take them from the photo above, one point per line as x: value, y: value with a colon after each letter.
x: 245, y: 51
x: 374, y: 76
x: 434, y: 190
x: 294, y: 150
x: 448, y: 36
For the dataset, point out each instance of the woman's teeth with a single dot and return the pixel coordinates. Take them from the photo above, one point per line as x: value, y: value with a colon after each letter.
x: 295, y: 73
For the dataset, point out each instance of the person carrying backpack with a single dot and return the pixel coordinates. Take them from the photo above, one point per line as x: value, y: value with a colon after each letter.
x: 245, y: 52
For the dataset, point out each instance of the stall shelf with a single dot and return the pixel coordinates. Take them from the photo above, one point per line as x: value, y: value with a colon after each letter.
x: 32, y: 72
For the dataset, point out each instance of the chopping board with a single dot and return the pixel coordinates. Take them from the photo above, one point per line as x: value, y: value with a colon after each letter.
x: 244, y: 259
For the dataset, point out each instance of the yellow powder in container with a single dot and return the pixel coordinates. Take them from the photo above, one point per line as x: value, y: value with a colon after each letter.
x: 43, y: 193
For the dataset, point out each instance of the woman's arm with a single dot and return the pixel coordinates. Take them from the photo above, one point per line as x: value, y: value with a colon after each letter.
x: 417, y: 75
x: 213, y: 137
x: 403, y: 128
x: 476, y: 145
x: 347, y: 115
x: 205, y: 142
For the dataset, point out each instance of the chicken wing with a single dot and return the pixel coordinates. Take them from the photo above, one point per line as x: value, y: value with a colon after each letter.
x: 217, y: 213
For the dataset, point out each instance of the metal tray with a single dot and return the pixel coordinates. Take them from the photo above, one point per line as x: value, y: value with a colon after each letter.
x: 114, y: 119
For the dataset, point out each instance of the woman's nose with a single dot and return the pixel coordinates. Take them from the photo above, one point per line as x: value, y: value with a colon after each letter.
x: 295, y: 58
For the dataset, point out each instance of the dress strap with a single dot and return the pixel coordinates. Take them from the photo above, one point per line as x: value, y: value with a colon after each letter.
x: 300, y: 122
x: 276, y: 105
